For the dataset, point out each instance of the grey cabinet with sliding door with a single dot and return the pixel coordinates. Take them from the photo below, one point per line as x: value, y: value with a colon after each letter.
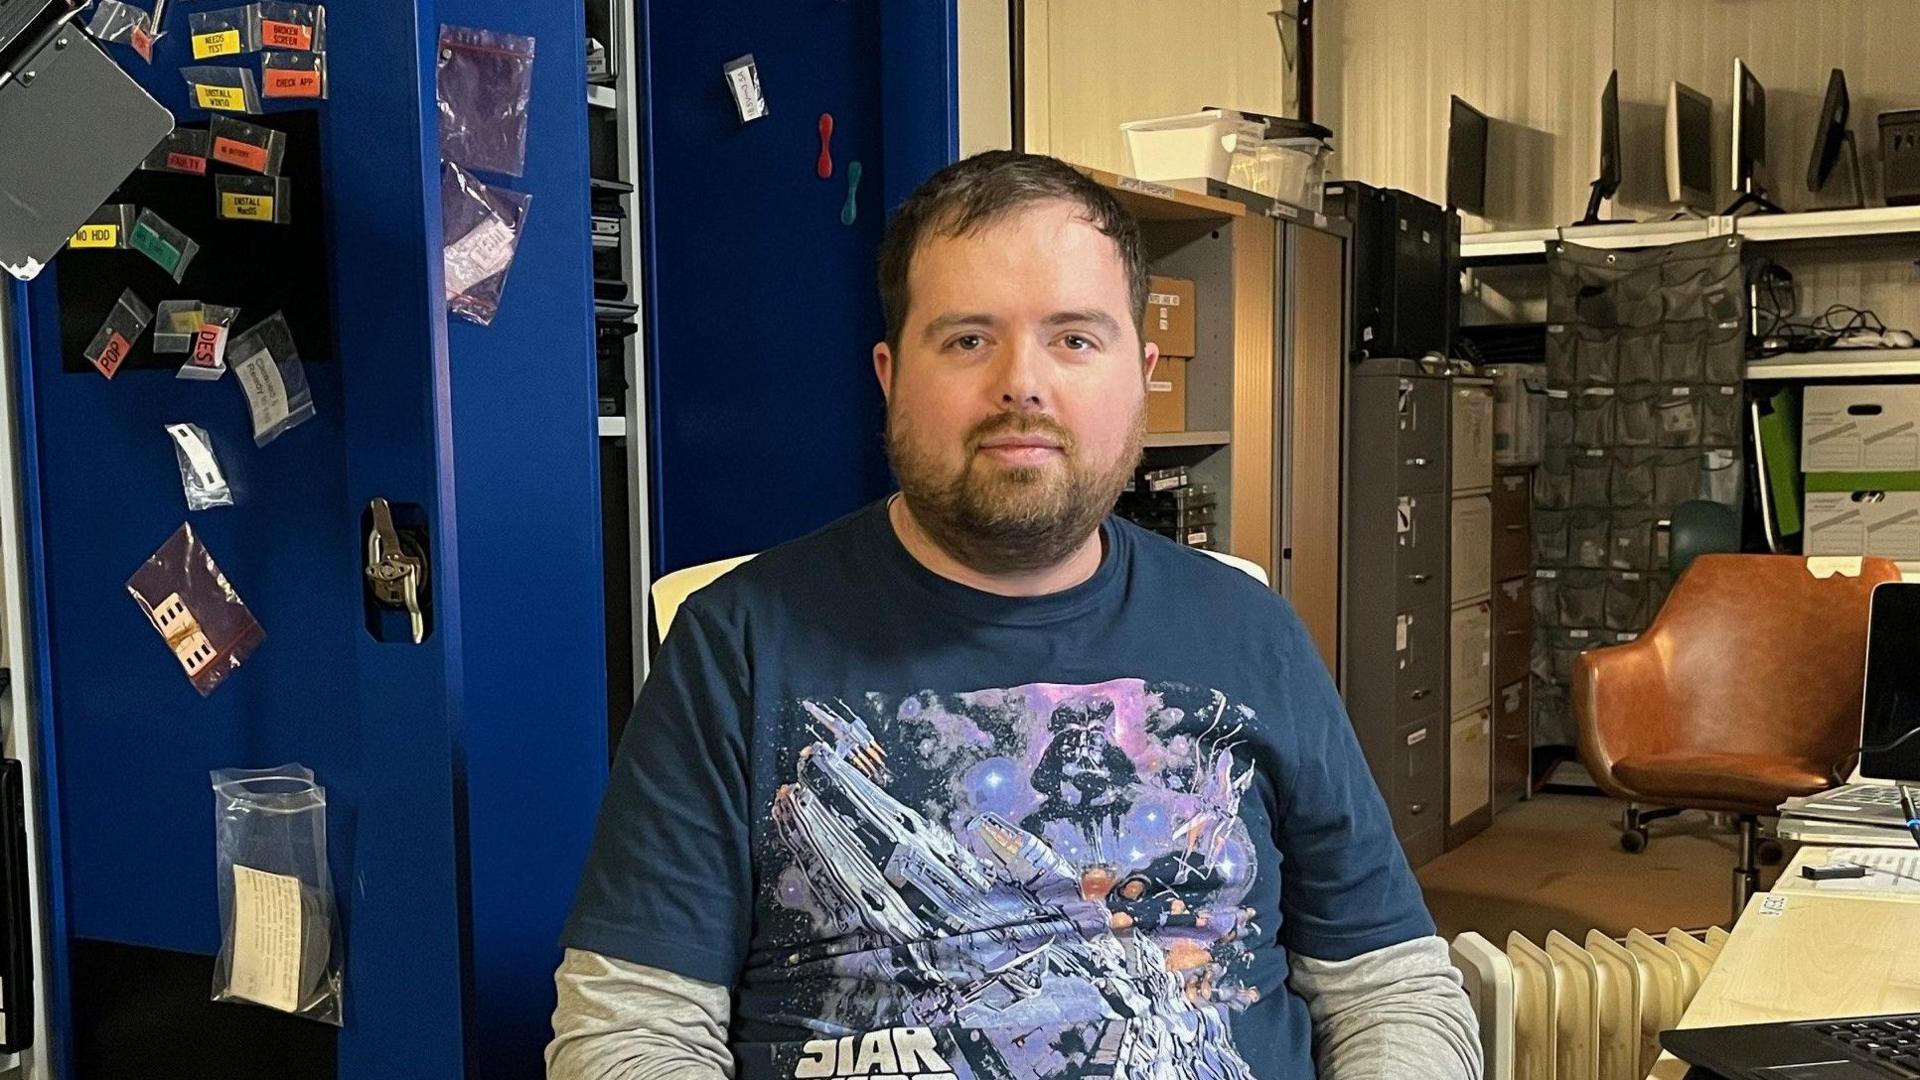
x: 1394, y: 662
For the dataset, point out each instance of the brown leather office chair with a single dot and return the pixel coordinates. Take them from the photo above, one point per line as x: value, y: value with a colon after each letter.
x: 1744, y: 691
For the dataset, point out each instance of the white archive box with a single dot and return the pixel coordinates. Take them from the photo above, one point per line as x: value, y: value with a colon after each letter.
x: 1883, y: 523
x: 1860, y: 427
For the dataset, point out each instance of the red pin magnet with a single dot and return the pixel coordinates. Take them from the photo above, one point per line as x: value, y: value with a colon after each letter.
x: 824, y: 167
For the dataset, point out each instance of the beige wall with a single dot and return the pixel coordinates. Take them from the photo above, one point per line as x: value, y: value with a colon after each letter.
x: 986, y: 113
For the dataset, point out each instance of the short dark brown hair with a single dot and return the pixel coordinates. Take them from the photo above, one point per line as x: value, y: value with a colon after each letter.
x: 977, y: 191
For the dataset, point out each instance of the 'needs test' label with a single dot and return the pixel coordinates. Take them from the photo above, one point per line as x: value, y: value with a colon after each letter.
x: 220, y: 43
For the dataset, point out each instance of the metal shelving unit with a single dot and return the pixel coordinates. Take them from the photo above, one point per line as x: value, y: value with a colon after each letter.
x: 1811, y: 228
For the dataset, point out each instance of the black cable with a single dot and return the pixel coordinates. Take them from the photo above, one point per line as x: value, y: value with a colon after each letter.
x: 1837, y: 773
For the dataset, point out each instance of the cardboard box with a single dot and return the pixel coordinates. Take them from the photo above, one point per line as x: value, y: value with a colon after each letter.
x: 1169, y: 321
x: 1875, y: 517
x: 1861, y: 427
x: 1167, y: 396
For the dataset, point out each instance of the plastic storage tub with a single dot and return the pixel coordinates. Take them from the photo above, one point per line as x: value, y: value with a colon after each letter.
x: 1192, y: 146
x: 1289, y: 170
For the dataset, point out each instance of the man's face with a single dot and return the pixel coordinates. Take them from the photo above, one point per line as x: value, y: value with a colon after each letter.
x: 1016, y: 404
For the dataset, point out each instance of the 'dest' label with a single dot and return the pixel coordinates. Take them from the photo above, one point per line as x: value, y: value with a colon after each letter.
x: 242, y: 207
x: 225, y: 98
x: 96, y: 236
x: 219, y: 43
x: 285, y: 35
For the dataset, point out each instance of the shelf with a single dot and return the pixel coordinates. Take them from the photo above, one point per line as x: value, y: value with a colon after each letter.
x: 1817, y: 226
x: 1189, y: 438
x: 1839, y: 364
x: 601, y: 97
x: 1812, y: 227
x: 613, y: 427
x: 1524, y: 244
x: 1149, y: 201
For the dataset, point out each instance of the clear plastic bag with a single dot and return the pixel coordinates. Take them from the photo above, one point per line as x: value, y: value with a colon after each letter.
x: 115, y: 21
x: 207, y: 357
x: 485, y: 84
x: 123, y: 326
x: 271, y: 375
x: 194, y: 609
x: 176, y: 325
x: 184, y: 151
x: 223, y: 89
x: 298, y: 27
x: 226, y: 32
x: 248, y: 146
x: 200, y: 477
x: 483, y: 225
x: 169, y: 248
x: 279, y: 931
x: 265, y: 199
x: 293, y: 75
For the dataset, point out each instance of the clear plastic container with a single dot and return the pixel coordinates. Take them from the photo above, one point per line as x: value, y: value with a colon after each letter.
x: 1192, y: 146
x: 1289, y: 170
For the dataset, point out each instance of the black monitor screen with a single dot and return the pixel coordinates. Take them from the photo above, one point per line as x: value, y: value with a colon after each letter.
x: 1467, y: 159
x: 1750, y: 125
x: 1695, y: 122
x: 1832, y: 132
x: 1893, y: 683
x: 1610, y: 136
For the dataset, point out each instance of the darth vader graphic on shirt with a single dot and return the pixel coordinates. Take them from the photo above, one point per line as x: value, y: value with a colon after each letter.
x: 1043, y: 881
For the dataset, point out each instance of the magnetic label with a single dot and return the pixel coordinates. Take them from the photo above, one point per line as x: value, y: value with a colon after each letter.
x: 245, y: 155
x: 285, y: 35
x: 187, y: 163
x: 283, y: 83
x: 149, y: 243
x: 228, y: 98
x: 243, y: 207
x: 96, y: 236
x: 219, y: 43
x: 113, y: 355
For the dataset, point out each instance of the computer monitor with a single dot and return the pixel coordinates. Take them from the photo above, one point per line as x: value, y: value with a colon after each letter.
x: 1608, y: 181
x: 1467, y: 159
x: 1689, y: 147
x: 1890, y: 704
x: 1749, y: 140
x: 1833, y: 136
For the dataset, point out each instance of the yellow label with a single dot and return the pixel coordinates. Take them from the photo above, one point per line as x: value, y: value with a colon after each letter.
x: 186, y: 322
x: 96, y: 236
x: 220, y: 43
x: 246, y: 207
x: 230, y: 98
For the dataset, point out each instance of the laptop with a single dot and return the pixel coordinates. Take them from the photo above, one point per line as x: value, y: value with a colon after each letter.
x: 1856, y: 1048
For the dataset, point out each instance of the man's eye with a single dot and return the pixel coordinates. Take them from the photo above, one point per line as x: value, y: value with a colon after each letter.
x: 969, y: 342
x: 1077, y: 342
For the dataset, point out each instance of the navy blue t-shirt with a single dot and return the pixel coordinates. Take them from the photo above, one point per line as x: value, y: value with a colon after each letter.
x: 923, y: 830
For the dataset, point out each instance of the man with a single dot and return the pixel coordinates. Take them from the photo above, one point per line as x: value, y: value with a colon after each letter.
x: 880, y: 783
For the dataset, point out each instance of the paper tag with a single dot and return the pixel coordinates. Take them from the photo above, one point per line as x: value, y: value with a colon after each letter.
x: 266, y: 938
x: 286, y: 83
x: 153, y: 246
x: 241, y: 207
x: 218, y: 43
x: 743, y: 78
x: 266, y: 392
x: 284, y: 35
x: 186, y: 163
x: 199, y: 457
x: 227, y: 98
x: 113, y: 355
x: 479, y: 255
x: 245, y: 155
x: 96, y: 236
x: 1163, y: 299
x: 1680, y: 391
x: 1400, y: 627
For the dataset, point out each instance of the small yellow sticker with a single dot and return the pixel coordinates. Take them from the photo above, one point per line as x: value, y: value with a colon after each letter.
x: 229, y: 98
x: 220, y: 43
x: 96, y: 236
x: 246, y: 207
x: 188, y: 321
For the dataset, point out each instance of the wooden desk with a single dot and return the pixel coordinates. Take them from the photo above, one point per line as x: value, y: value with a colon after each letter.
x: 1800, y: 955
x: 1791, y: 881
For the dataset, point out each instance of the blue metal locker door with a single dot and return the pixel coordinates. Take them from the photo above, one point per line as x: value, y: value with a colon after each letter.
x: 129, y: 742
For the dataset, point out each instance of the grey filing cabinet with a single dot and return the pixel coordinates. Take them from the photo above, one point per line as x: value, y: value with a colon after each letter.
x: 1512, y: 636
x: 1397, y: 596
x: 1470, y: 618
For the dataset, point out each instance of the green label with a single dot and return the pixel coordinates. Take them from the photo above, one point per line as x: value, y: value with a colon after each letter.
x: 153, y: 246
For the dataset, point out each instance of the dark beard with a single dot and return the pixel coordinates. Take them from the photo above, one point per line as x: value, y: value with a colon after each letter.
x: 1020, y: 520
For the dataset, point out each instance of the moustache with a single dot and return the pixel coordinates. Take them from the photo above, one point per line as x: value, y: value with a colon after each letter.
x: 1019, y: 424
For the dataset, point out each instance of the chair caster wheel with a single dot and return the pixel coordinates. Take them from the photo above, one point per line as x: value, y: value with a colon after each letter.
x: 1633, y: 841
x: 1770, y: 852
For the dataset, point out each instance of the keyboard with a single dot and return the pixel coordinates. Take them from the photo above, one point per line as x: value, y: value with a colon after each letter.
x: 1892, y: 1042
x: 1864, y: 795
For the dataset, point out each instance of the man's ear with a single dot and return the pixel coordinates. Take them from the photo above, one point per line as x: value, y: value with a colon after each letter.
x: 1151, y: 356
x: 883, y: 368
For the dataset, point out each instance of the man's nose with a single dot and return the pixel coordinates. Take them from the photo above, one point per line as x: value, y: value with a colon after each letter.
x: 1020, y: 376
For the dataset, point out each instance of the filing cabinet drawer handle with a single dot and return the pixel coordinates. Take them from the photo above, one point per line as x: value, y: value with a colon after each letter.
x: 1513, y: 633
x: 1512, y: 736
x: 1417, y: 462
x: 1514, y: 526
x: 1420, y: 693
x: 1417, y: 808
x: 1422, y: 579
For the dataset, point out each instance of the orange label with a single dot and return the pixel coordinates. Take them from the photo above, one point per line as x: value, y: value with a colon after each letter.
x: 142, y: 42
x: 285, y: 35
x: 113, y: 355
x: 282, y: 83
x: 242, y: 154
x: 180, y: 162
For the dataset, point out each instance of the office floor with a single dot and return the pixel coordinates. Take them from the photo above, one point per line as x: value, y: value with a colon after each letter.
x: 1554, y: 863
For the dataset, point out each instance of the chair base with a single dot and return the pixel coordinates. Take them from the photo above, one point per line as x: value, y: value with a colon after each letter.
x: 1633, y: 826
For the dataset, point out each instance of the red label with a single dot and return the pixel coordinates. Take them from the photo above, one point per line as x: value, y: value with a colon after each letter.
x: 180, y: 162
x: 113, y: 355
x: 282, y: 35
x: 282, y: 83
x: 242, y: 154
x: 143, y: 43
x: 206, y: 347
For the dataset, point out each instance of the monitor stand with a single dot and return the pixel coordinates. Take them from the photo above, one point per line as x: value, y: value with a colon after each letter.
x: 1754, y: 201
x: 1853, y: 166
x: 1598, y: 195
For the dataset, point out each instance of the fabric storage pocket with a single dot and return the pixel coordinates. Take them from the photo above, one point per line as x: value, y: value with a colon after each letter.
x: 1633, y: 415
x: 1583, y: 599
x: 1587, y: 537
x: 1676, y: 478
x: 1591, y: 470
x: 1630, y: 479
x: 1596, y: 357
x: 1546, y: 597
x: 1593, y: 417
x: 1550, y: 537
x: 1677, y: 417
x: 1560, y: 350
x: 1640, y: 352
x: 1703, y: 286
x: 1630, y: 542
x: 1724, y: 354
x: 1720, y: 416
x: 1553, y: 481
x: 1559, y: 418
x: 1626, y: 602
x: 1720, y: 477
x: 1680, y: 352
